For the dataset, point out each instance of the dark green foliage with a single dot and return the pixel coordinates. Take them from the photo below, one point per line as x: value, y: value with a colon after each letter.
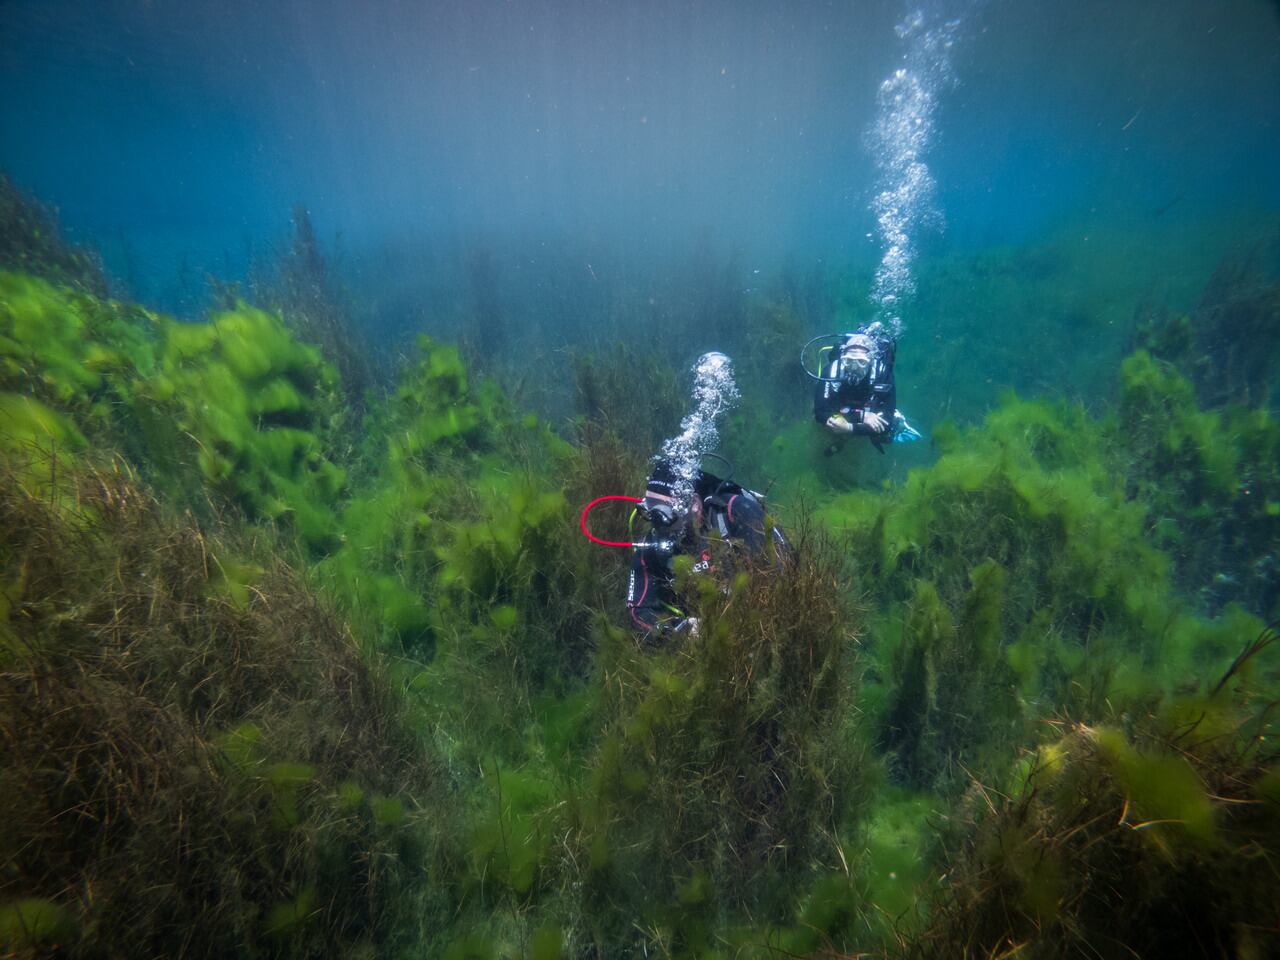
x: 1235, y: 356
x: 725, y: 758
x: 1209, y: 482
x: 304, y: 293
x: 769, y: 363
x: 953, y: 692
x: 629, y: 393
x: 1209, y: 475
x: 1154, y: 842
x: 1020, y: 575
x: 181, y: 770
x: 488, y: 767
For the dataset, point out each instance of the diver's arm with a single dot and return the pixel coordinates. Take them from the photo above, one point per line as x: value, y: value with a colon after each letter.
x: 744, y: 519
x: 869, y: 422
x: 884, y: 398
x: 747, y: 522
x: 875, y: 418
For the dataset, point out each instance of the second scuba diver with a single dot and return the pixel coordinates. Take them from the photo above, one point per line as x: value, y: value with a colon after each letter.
x: 855, y: 393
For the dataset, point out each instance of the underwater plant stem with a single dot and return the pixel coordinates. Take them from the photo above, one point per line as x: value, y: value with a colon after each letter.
x: 506, y: 853
x: 1267, y: 637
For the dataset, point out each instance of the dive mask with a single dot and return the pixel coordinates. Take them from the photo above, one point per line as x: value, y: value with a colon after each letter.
x: 659, y: 514
x: 854, y: 367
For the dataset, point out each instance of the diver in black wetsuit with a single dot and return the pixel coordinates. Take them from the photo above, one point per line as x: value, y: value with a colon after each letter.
x: 857, y: 394
x: 719, y: 521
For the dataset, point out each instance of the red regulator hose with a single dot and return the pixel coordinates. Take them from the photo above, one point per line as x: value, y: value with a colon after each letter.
x: 590, y: 506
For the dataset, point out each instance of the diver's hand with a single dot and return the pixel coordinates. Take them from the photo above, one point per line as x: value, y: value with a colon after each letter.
x: 877, y: 423
x: 838, y: 422
x: 690, y: 626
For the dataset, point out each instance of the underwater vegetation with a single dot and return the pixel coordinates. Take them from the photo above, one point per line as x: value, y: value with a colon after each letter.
x: 1152, y: 837
x: 1017, y: 575
x: 1231, y: 352
x: 1200, y: 390
x: 235, y: 403
x: 284, y: 675
x: 300, y: 285
x: 195, y: 758
x: 725, y: 766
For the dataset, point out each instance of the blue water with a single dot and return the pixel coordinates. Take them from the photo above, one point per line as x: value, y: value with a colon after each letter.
x: 178, y: 136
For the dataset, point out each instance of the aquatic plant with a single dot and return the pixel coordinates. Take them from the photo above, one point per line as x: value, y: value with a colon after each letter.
x: 1233, y: 355
x: 993, y: 670
x: 606, y: 395
x: 444, y: 515
x: 1208, y: 480
x: 1149, y: 838
x: 774, y: 388
x: 302, y: 288
x: 186, y: 744
x: 252, y: 406
x: 73, y: 350
x: 235, y: 406
x: 727, y: 759
x: 1014, y: 573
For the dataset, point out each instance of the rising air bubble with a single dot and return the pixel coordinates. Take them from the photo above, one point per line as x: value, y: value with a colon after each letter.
x: 714, y: 392
x: 903, y: 127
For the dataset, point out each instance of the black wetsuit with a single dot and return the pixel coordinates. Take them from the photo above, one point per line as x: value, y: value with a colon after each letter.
x: 731, y: 514
x: 875, y: 393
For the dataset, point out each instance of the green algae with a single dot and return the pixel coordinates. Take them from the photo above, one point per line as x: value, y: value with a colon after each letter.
x: 248, y: 401
x: 1016, y: 553
x: 187, y: 721
x: 37, y: 442
x: 512, y: 844
x: 1207, y: 479
x: 67, y: 346
x: 779, y: 782
x: 253, y: 402
x: 288, y: 918
x: 36, y: 924
x: 1110, y: 834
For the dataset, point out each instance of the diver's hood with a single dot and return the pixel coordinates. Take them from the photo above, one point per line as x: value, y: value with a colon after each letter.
x: 858, y: 341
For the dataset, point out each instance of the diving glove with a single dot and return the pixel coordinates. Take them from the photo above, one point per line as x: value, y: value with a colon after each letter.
x: 903, y: 432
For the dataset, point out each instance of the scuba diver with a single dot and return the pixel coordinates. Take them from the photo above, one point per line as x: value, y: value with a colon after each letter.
x: 855, y: 393
x: 717, y: 522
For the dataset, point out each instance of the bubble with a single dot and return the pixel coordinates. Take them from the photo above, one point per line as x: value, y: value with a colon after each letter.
x: 898, y: 138
x: 714, y: 392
